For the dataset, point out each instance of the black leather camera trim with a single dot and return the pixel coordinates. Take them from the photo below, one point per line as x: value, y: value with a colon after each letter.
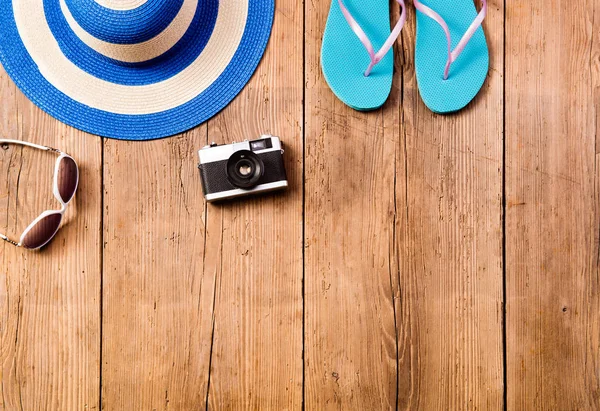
x: 214, y: 174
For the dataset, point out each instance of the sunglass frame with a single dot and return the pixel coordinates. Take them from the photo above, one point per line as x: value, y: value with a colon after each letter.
x: 55, y: 190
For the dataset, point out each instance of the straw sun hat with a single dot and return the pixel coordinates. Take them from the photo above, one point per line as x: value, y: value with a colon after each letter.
x: 133, y: 69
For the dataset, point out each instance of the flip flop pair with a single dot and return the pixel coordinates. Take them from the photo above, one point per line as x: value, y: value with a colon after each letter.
x: 451, y: 54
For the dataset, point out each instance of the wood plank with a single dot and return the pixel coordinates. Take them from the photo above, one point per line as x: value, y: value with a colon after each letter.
x: 50, y: 299
x: 257, y: 243
x: 157, y: 294
x: 552, y: 210
x: 350, y: 336
x: 449, y: 242
x: 428, y: 185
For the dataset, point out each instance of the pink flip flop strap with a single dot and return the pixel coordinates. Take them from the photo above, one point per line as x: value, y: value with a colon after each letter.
x: 374, y: 56
x: 453, y: 54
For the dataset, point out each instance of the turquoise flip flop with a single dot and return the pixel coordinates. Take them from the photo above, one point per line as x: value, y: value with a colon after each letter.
x: 451, y: 54
x: 362, y: 80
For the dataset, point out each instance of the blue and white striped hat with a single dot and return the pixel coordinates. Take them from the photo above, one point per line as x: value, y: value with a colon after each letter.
x: 133, y: 69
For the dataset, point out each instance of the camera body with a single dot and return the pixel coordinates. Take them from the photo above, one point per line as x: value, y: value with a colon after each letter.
x: 240, y: 169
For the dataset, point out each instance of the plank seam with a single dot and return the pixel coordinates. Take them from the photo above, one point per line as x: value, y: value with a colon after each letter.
x: 406, y: 205
x: 390, y: 257
x: 101, y: 299
x: 19, y: 308
x: 304, y: 82
x: 212, y: 335
x: 504, y: 331
x: 212, y: 338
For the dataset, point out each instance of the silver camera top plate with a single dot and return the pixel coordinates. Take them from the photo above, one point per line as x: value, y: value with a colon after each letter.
x: 213, y: 153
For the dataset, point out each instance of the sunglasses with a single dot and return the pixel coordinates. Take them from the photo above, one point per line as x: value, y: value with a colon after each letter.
x: 66, y: 178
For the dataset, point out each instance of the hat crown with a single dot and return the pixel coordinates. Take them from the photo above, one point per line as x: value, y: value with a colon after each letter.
x: 124, y: 21
x: 162, y: 86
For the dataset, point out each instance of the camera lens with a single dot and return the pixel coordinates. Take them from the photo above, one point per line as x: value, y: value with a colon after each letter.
x: 244, y: 169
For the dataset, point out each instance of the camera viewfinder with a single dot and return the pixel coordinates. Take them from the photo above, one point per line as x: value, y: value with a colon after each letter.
x: 263, y: 144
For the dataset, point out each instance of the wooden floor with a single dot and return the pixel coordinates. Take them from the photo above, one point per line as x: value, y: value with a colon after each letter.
x: 417, y: 262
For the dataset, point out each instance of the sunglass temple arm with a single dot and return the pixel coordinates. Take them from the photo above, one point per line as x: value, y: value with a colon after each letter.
x: 25, y: 143
x: 8, y: 240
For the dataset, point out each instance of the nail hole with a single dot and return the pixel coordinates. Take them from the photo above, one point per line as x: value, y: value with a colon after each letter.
x: 4, y: 146
x: 564, y: 309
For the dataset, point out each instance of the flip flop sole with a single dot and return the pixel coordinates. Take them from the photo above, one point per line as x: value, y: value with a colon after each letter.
x: 344, y: 58
x: 467, y: 73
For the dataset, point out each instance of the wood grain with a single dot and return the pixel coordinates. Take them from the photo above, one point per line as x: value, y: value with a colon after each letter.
x: 449, y: 242
x: 375, y: 282
x: 552, y: 209
x: 50, y: 299
x: 257, y: 243
x: 157, y: 293
x: 350, y: 336
x: 411, y: 248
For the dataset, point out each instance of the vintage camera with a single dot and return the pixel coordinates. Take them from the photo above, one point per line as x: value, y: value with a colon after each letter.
x: 240, y: 169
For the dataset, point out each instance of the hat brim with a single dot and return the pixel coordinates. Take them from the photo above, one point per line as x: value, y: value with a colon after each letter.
x: 28, y: 77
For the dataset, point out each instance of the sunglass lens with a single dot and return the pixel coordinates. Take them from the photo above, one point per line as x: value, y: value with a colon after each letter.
x: 41, y: 233
x: 67, y: 178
